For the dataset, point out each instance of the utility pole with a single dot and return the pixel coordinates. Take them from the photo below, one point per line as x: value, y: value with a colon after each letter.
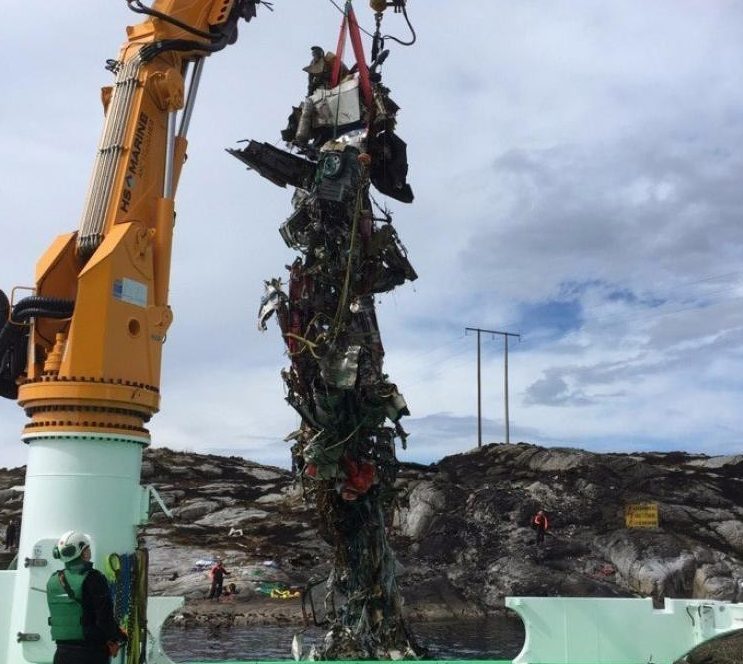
x: 479, y: 391
x: 505, y: 336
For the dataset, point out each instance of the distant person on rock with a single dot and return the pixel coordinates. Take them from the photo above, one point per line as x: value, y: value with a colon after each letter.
x: 10, y: 535
x: 540, y: 523
x: 217, y: 574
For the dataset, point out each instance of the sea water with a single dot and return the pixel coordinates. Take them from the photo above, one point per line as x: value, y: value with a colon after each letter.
x: 486, y: 638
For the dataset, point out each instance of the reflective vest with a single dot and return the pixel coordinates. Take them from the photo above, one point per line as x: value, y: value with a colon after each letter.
x: 65, y: 611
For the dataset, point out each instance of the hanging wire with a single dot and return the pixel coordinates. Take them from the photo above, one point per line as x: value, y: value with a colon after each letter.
x: 410, y: 361
x: 343, y: 11
x: 441, y: 366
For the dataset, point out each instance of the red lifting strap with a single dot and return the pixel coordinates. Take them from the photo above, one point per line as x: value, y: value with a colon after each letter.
x: 336, y: 73
x: 349, y: 20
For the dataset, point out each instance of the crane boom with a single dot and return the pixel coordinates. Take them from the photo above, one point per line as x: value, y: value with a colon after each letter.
x: 99, y: 370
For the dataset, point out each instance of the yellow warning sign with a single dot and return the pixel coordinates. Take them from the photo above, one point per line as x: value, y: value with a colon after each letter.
x: 641, y: 515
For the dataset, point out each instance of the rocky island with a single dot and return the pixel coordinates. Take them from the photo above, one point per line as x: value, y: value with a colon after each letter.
x: 461, y: 531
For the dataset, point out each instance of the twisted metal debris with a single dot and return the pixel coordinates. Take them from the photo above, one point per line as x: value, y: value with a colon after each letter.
x: 344, y: 450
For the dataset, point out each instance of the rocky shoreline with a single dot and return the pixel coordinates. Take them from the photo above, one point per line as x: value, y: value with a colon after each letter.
x: 239, y: 613
x: 460, y: 531
x: 251, y: 609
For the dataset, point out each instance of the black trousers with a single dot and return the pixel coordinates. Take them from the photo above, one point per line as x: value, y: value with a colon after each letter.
x: 216, y: 589
x: 540, y: 535
x: 74, y: 654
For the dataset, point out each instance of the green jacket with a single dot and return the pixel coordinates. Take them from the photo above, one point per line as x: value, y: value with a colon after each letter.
x: 65, y: 604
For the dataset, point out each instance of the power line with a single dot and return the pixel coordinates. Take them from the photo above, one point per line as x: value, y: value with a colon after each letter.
x: 685, y: 285
x: 343, y: 11
x: 672, y: 288
x: 617, y: 319
x: 411, y: 359
x: 439, y: 368
x: 611, y: 320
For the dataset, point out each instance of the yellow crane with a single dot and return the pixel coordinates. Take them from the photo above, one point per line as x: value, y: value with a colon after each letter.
x: 97, y: 369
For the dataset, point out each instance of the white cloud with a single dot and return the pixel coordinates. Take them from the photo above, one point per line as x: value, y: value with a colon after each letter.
x: 565, y: 150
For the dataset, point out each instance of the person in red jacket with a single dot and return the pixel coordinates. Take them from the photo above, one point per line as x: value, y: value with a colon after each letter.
x: 540, y: 523
x: 218, y: 572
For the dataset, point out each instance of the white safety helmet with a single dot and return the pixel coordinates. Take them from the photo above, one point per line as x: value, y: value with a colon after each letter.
x: 71, y: 545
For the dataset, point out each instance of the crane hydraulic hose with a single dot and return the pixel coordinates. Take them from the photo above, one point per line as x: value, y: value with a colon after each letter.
x: 151, y: 51
x: 137, y: 7
x: 4, y: 308
x: 243, y: 9
x: 14, y: 334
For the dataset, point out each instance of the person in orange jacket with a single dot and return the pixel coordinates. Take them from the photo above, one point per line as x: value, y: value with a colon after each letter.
x: 217, y: 574
x: 540, y: 523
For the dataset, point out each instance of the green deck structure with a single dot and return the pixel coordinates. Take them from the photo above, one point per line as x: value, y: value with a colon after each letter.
x: 579, y: 630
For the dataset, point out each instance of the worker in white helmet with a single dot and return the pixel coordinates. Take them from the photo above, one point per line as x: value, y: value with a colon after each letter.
x: 81, y: 612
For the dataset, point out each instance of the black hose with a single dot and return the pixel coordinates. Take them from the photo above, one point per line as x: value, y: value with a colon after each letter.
x: 151, y: 51
x: 245, y: 9
x: 142, y: 9
x: 4, y: 308
x: 412, y: 30
x: 37, y: 302
x: 14, y: 335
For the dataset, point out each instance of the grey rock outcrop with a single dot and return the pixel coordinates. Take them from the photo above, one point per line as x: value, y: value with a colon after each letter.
x: 425, y: 501
x: 468, y: 516
x: 461, y: 528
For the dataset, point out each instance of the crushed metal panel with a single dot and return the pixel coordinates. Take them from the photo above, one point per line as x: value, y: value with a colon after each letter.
x: 276, y: 165
x: 295, y: 230
x: 389, y: 166
x: 273, y: 300
x: 338, y: 106
x: 340, y: 367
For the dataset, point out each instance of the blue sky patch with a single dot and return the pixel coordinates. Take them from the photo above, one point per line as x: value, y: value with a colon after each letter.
x: 550, y: 320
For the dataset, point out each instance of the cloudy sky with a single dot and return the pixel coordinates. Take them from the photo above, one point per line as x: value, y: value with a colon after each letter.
x: 579, y: 180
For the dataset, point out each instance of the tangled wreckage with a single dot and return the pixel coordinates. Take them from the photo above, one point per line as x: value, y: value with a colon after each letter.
x: 344, y: 142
